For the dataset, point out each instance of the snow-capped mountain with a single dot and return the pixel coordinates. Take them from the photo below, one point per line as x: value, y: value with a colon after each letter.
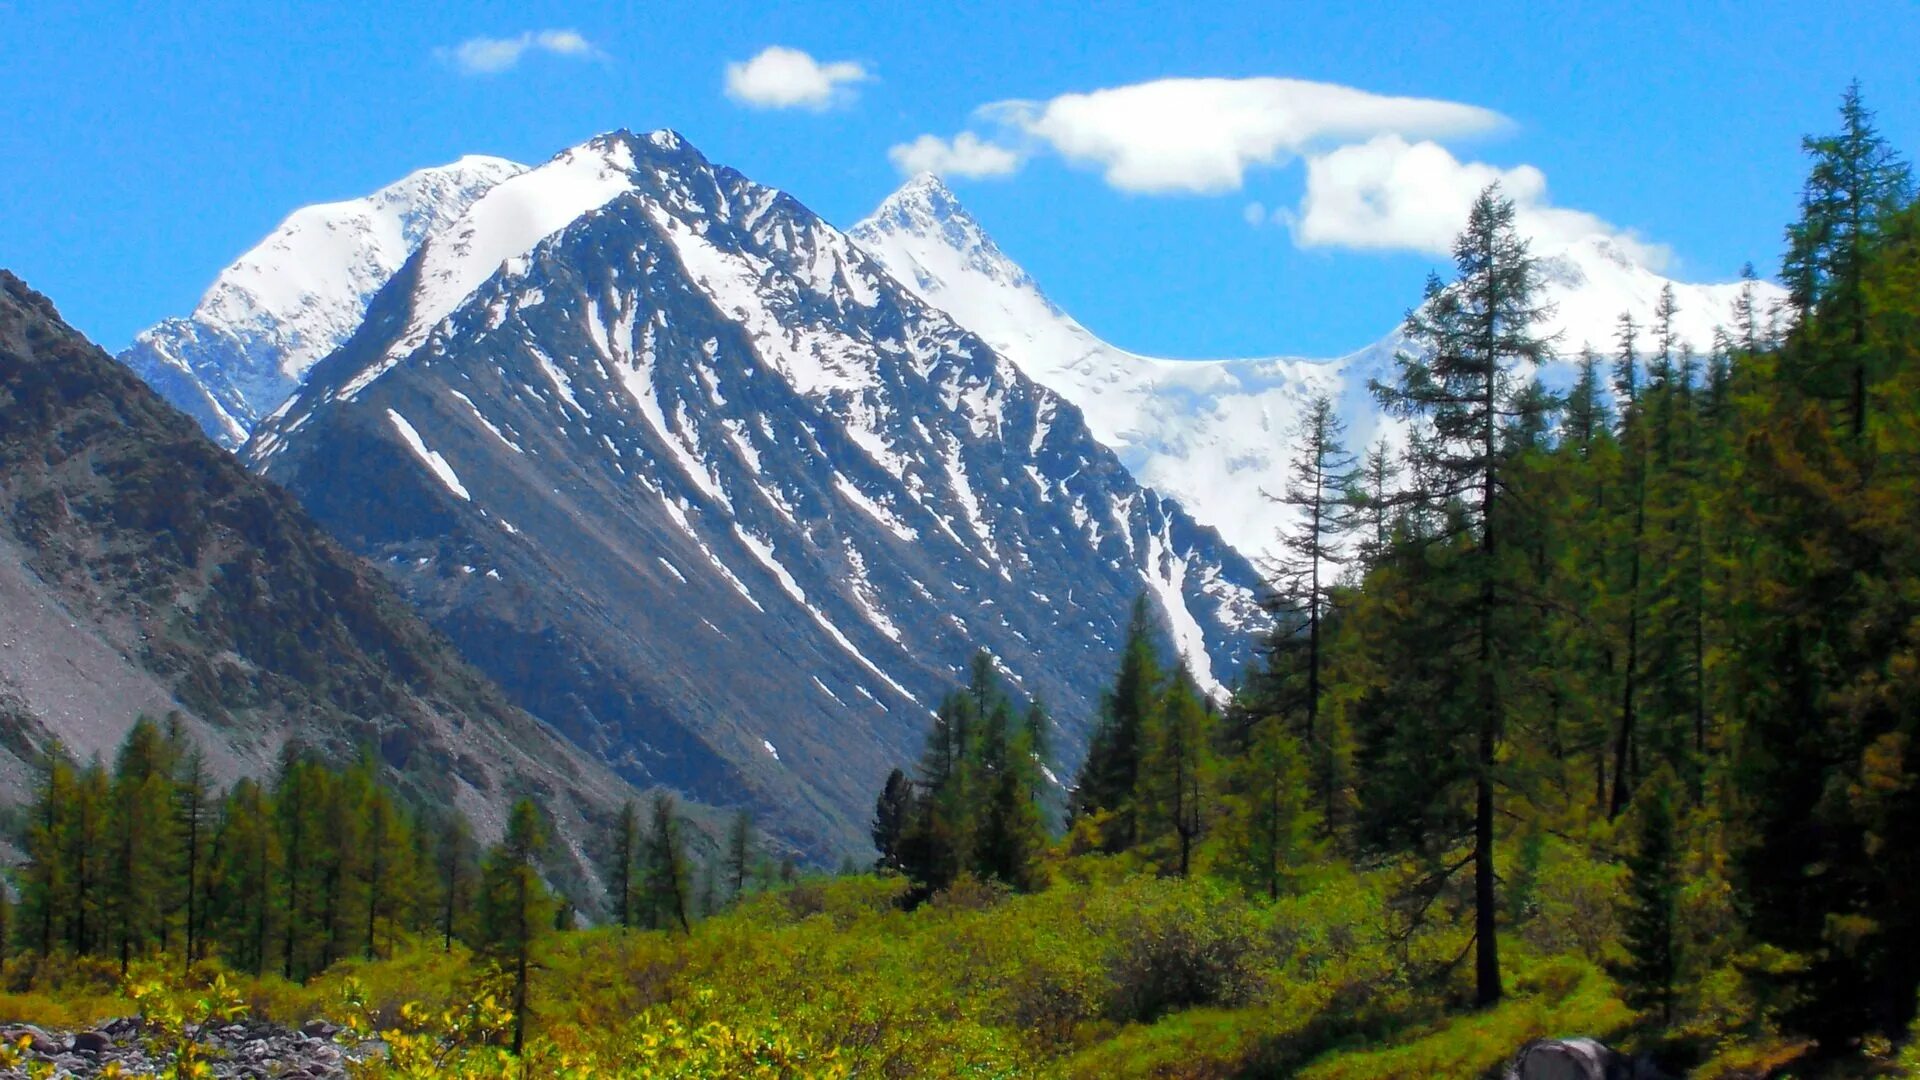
x: 699, y: 483
x: 296, y: 296
x: 1214, y: 434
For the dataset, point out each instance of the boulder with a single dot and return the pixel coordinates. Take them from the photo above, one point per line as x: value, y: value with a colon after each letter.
x: 1577, y: 1059
x: 38, y: 1041
x: 90, y: 1042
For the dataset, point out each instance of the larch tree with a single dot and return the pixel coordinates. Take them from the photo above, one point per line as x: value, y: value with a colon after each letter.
x: 1471, y: 339
x: 618, y: 873
x: 515, y: 906
x: 1312, y: 551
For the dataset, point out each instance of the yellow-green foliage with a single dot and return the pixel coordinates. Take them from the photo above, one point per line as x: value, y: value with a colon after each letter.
x: 62, y: 992
x: 1112, y: 972
x: 62, y: 1009
x: 831, y: 978
x: 421, y: 974
x: 1562, y: 998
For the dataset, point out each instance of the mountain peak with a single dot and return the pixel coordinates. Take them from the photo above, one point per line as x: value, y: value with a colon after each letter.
x: 713, y: 430
x: 926, y: 187
x: 923, y: 234
x: 298, y: 294
x: 924, y: 201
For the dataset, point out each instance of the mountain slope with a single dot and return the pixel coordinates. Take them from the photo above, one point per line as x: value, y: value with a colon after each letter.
x: 1215, y: 433
x: 296, y: 296
x: 144, y: 570
x: 682, y: 468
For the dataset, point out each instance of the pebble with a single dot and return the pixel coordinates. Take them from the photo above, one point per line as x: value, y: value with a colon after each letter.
x: 247, y: 1050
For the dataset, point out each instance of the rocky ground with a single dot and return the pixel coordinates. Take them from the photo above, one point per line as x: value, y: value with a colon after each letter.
x: 242, y: 1050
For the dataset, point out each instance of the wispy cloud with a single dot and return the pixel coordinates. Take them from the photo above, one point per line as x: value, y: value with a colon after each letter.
x: 966, y: 154
x: 1201, y: 136
x: 1391, y: 194
x: 1377, y: 176
x: 491, y: 56
x: 784, y: 78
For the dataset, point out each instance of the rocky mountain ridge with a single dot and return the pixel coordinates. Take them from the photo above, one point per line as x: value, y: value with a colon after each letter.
x: 694, y: 479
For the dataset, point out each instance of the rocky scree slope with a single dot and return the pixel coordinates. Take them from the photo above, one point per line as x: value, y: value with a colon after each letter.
x: 143, y: 570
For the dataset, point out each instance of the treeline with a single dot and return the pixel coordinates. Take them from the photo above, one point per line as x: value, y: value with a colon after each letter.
x: 1668, y: 615
x: 978, y: 804
x: 317, y: 863
x: 655, y: 882
x: 1168, y: 779
x: 147, y: 857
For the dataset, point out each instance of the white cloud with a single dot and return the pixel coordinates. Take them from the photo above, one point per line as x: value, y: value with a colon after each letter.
x: 1390, y: 194
x: 966, y: 155
x: 783, y: 78
x: 1202, y: 135
x: 490, y: 56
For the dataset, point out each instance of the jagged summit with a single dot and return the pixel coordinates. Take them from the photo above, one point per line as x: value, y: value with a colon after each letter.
x: 925, y: 207
x: 923, y: 193
x: 297, y: 295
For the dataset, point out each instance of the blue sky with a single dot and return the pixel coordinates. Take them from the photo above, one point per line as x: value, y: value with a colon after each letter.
x: 144, y: 145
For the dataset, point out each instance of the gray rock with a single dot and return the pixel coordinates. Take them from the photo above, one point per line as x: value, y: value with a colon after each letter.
x: 247, y: 1050
x: 1577, y: 1059
x: 38, y: 1041
x: 91, y: 1042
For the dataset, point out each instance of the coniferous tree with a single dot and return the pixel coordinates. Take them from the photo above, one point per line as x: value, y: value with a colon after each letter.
x: 245, y: 911
x: 297, y: 800
x: 743, y: 846
x: 1626, y: 383
x: 1268, y: 818
x: 515, y: 906
x: 1652, y: 906
x: 1586, y: 410
x: 1311, y: 552
x: 618, y: 873
x: 389, y: 874
x: 1177, y: 775
x: 1857, y: 183
x: 193, y: 825
x: 89, y: 854
x: 456, y: 857
x: 141, y: 820
x: 1111, y: 773
x: 893, y: 815
x: 49, y: 886
x: 1373, y: 500
x: 1824, y: 839
x: 1013, y: 830
x: 669, y: 878
x: 1470, y: 338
